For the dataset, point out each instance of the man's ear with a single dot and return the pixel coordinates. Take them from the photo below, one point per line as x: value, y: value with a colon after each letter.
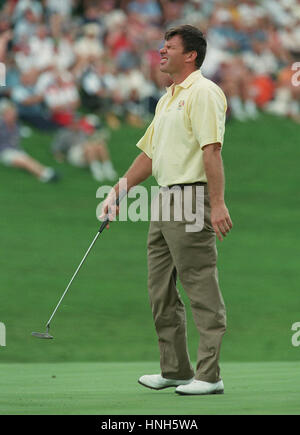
x: 191, y: 56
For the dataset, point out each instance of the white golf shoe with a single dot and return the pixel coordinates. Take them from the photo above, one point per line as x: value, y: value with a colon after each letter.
x: 201, y: 388
x: 157, y: 382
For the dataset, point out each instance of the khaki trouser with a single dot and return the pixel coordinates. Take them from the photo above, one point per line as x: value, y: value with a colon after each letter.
x: 192, y: 255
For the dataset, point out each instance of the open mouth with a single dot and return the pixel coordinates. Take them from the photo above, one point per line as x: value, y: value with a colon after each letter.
x: 163, y: 60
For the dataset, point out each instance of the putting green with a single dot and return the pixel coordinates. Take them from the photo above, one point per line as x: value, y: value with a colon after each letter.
x: 112, y: 389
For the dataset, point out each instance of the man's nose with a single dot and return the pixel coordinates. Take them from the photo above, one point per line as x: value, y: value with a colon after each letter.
x: 162, y: 50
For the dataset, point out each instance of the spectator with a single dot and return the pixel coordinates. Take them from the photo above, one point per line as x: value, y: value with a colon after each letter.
x: 22, y: 57
x: 249, y: 12
x: 148, y: 10
x: 118, y: 40
x: 172, y: 13
x: 41, y: 48
x: 135, y: 90
x: 111, y: 50
x: 82, y: 150
x: 30, y: 103
x: 62, y: 98
x: 260, y: 60
x: 89, y: 46
x: 235, y: 80
x: 113, y: 19
x: 11, y: 153
x: 100, y: 92
x: 22, y: 6
x: 290, y: 38
x: 26, y: 26
x: 287, y: 96
x: 91, y: 14
x: 195, y: 11
x: 63, y: 8
x: 64, y: 58
x: 278, y: 13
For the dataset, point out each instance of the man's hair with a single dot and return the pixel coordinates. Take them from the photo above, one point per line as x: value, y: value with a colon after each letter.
x: 192, y: 40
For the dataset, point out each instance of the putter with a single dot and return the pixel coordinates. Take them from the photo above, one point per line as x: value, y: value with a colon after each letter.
x: 46, y: 334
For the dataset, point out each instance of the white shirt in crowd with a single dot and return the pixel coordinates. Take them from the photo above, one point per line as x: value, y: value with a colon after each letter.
x: 61, y: 7
x: 134, y: 81
x: 261, y: 64
x: 41, y: 52
x: 64, y: 93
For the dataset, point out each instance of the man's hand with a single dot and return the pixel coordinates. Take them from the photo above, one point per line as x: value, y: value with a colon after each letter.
x: 109, y: 208
x: 139, y: 171
x: 219, y: 214
x: 220, y: 220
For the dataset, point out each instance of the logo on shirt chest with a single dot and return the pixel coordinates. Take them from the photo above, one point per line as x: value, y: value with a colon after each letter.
x: 180, y: 105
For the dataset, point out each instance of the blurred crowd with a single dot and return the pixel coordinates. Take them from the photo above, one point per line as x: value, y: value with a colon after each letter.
x: 69, y: 57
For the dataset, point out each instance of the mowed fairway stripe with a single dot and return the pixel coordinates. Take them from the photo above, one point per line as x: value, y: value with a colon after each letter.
x: 112, y: 389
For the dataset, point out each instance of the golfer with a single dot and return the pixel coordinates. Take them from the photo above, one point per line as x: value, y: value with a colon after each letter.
x: 182, y: 147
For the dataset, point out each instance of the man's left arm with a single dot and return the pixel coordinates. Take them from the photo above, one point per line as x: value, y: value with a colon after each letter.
x: 213, y: 164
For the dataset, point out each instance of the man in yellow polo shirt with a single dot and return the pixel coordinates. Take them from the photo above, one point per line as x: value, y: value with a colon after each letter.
x: 182, y: 147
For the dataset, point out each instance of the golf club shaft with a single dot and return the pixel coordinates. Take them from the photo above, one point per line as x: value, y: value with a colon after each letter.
x: 77, y: 270
x: 103, y: 225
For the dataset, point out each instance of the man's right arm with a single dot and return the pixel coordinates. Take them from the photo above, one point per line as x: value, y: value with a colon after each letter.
x: 138, y: 172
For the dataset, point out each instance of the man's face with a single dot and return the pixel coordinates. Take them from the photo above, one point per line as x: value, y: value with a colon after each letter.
x: 172, y: 56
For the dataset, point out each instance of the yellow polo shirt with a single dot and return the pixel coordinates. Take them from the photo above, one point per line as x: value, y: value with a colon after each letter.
x: 183, y: 124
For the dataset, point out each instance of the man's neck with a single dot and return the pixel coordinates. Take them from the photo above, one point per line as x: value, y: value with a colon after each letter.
x: 180, y: 77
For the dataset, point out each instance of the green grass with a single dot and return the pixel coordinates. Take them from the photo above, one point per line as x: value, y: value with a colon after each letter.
x: 112, y: 388
x: 45, y: 230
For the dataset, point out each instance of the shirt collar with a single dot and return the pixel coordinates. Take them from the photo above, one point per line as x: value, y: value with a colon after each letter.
x: 195, y: 75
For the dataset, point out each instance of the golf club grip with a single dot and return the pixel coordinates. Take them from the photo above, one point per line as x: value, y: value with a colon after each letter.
x: 106, y: 221
x: 103, y: 225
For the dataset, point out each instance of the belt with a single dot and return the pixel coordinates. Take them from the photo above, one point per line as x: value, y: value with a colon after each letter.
x: 197, y: 183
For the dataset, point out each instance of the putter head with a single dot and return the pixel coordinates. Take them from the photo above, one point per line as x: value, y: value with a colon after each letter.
x: 43, y: 334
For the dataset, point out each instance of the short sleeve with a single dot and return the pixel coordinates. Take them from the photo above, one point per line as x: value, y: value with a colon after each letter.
x: 208, y: 115
x: 145, y: 143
